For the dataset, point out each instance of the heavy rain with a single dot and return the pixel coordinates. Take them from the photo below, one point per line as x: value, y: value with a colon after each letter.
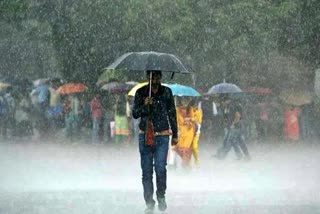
x: 232, y: 93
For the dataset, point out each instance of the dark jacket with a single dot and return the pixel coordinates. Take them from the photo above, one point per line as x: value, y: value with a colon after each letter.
x: 162, y: 111
x: 229, y: 116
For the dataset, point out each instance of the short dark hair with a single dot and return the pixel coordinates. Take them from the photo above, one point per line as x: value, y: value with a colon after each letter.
x: 154, y: 72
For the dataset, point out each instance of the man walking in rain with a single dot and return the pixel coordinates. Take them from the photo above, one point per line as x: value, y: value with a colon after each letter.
x: 233, y: 131
x: 154, y: 105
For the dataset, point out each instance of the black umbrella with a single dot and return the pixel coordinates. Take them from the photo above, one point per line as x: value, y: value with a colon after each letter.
x: 143, y: 61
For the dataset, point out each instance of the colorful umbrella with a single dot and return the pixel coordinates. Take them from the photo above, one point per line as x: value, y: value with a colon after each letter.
x: 72, y: 88
x: 183, y: 90
x: 133, y: 91
x: 4, y: 85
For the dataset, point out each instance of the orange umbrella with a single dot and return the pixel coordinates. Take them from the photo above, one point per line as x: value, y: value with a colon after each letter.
x: 71, y: 88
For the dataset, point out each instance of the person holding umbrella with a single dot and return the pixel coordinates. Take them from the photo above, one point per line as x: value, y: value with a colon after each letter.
x: 154, y: 105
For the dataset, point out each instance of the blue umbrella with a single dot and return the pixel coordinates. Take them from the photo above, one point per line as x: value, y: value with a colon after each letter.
x: 224, y: 88
x: 182, y: 90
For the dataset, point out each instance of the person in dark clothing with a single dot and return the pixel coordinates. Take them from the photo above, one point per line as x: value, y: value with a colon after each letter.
x: 233, y: 131
x: 155, y: 104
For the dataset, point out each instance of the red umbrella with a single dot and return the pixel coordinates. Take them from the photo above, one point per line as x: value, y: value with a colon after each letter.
x: 71, y: 88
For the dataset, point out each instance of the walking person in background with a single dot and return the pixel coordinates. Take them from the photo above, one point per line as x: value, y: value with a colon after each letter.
x: 154, y: 104
x: 108, y: 111
x: 233, y: 131
x: 291, y: 124
x: 263, y: 119
x: 4, y: 109
x: 78, y: 112
x: 54, y: 112
x: 186, y: 130
x: 11, y: 121
x: 122, y: 132
x: 72, y: 112
x: 68, y: 117
x: 96, y: 113
x: 42, y: 104
x: 22, y: 117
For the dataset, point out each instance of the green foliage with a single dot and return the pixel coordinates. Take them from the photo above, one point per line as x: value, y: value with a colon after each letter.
x: 237, y: 40
x: 12, y: 10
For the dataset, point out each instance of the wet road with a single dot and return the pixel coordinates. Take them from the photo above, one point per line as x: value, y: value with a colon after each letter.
x: 83, y: 178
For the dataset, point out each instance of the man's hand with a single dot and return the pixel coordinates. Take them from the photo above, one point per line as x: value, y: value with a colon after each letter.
x: 148, y: 101
x: 174, y: 141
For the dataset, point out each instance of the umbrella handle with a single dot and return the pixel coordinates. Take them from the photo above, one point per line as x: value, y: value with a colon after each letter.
x: 150, y: 81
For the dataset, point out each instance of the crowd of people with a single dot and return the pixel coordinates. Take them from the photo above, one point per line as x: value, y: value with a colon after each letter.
x: 44, y: 113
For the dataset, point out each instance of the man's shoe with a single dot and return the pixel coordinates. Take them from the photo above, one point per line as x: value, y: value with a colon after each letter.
x: 150, y: 208
x: 162, y: 205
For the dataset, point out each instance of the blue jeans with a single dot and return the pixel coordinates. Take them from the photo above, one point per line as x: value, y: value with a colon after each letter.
x: 154, y: 156
x: 232, y: 139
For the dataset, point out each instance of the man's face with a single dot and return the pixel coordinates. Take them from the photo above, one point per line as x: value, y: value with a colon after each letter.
x: 156, y: 77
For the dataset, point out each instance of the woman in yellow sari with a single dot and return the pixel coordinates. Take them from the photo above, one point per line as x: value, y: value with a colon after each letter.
x: 186, y: 130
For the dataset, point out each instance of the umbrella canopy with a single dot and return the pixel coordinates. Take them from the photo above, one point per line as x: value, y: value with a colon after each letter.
x: 224, y: 88
x: 116, y: 87
x: 133, y: 91
x: 296, y: 98
x: 110, y: 85
x: 143, y: 61
x: 4, y: 85
x: 177, y: 90
x: 183, y: 90
x: 71, y: 88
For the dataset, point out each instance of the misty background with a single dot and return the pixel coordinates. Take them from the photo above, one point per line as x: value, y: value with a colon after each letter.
x: 272, y: 44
